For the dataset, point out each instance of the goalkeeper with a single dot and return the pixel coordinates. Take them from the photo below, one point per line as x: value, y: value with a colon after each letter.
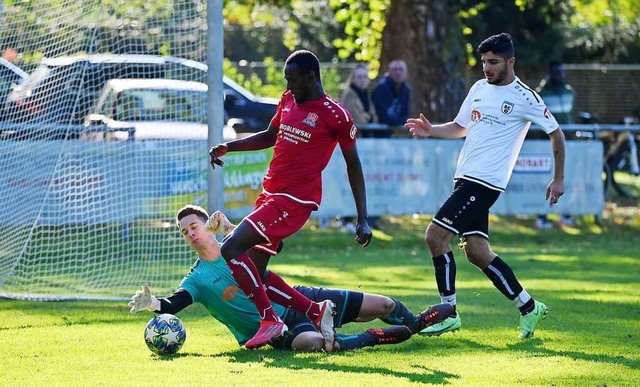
x: 210, y: 283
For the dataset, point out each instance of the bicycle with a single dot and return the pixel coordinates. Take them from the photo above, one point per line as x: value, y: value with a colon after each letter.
x: 621, y: 162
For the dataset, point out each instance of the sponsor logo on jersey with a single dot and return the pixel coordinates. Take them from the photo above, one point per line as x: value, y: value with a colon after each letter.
x: 477, y: 100
x: 230, y: 293
x: 447, y: 220
x: 311, y: 120
x: 475, y: 115
x: 353, y: 132
x: 286, y: 109
x: 294, y: 135
x: 261, y: 225
x: 547, y: 113
x: 507, y: 107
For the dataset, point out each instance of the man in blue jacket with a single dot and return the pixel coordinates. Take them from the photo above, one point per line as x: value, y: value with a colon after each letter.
x: 392, y: 96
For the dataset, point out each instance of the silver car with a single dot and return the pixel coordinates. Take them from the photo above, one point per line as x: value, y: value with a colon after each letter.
x: 151, y: 109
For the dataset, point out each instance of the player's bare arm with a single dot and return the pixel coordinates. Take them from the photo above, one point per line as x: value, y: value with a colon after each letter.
x: 556, y: 187
x: 356, y: 181
x: 261, y: 140
x: 421, y: 127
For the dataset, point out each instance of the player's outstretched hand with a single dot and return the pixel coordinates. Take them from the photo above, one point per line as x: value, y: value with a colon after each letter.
x: 218, y: 223
x: 363, y: 233
x: 419, y: 127
x: 215, y: 153
x: 143, y: 300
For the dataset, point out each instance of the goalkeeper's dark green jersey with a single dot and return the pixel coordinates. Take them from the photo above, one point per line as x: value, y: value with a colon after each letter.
x: 212, y: 285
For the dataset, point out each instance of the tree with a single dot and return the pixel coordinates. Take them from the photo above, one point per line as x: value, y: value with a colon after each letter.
x: 428, y: 36
x: 605, y: 31
x: 438, y: 38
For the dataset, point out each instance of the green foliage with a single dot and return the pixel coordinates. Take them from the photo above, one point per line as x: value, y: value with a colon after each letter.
x: 364, y: 21
x: 606, y: 31
x: 269, y: 82
x: 272, y: 86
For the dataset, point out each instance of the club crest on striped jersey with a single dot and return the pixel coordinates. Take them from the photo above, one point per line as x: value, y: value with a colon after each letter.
x: 311, y: 120
x: 507, y: 107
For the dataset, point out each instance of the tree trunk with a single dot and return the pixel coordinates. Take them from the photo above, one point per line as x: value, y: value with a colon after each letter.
x: 427, y: 35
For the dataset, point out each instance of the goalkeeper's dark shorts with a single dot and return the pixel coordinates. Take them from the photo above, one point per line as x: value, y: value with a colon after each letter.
x: 348, y: 304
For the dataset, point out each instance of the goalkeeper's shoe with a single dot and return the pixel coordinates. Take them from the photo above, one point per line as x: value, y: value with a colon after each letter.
x: 391, y: 335
x: 450, y: 324
x: 268, y: 331
x: 324, y: 323
x: 529, y: 321
x: 432, y: 315
x: 218, y: 223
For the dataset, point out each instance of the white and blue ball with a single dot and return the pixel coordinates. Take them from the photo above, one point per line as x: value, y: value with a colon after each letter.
x: 165, y: 334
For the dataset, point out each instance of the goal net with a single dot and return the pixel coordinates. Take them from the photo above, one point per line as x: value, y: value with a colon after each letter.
x: 94, y: 170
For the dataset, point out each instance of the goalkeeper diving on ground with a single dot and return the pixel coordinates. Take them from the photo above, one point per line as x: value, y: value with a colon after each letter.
x: 210, y: 283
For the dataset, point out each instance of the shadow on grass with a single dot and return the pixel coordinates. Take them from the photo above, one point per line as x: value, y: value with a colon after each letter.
x: 299, y: 360
x: 535, y: 347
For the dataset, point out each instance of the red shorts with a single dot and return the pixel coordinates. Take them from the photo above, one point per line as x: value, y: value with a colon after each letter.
x: 276, y: 217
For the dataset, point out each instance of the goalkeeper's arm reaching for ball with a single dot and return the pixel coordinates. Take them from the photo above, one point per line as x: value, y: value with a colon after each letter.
x: 144, y: 300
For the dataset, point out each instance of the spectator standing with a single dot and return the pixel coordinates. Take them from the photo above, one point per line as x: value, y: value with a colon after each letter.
x: 357, y: 99
x: 558, y: 95
x: 392, y: 97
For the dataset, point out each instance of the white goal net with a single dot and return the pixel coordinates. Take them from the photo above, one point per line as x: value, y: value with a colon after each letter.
x: 93, y: 168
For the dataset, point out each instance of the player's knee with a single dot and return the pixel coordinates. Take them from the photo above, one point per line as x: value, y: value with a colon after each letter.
x: 471, y: 256
x: 375, y: 306
x: 387, y: 305
x: 477, y: 254
x: 308, y: 341
x: 433, y: 240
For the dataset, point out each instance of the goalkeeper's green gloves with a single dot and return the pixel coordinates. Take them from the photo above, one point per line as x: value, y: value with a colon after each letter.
x: 144, y: 300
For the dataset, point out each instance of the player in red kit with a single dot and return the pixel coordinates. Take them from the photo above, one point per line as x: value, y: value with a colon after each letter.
x: 304, y: 132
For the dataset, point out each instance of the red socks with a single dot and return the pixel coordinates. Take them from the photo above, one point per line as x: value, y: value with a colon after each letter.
x: 283, y: 294
x: 246, y: 275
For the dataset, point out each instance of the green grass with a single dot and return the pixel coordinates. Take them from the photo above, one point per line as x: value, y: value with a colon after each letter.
x: 589, y: 277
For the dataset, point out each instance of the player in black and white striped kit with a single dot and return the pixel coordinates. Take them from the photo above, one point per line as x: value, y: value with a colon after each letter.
x: 494, y: 117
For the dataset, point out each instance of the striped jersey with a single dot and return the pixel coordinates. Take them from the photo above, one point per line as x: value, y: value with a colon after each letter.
x: 497, y: 119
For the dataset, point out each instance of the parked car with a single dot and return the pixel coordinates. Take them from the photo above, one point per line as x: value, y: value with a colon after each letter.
x: 254, y: 112
x: 61, y: 91
x: 144, y: 109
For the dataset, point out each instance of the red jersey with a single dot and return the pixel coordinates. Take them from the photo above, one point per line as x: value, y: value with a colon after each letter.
x: 307, y: 135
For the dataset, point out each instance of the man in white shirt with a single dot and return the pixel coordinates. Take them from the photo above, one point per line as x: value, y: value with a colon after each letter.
x: 494, y: 117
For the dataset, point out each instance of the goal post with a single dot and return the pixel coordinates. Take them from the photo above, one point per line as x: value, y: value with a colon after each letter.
x: 84, y: 213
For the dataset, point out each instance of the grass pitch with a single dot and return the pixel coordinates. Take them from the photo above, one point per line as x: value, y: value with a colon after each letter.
x: 589, y: 277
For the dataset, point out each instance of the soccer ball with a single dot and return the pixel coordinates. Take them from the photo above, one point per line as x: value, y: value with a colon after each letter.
x: 165, y: 334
